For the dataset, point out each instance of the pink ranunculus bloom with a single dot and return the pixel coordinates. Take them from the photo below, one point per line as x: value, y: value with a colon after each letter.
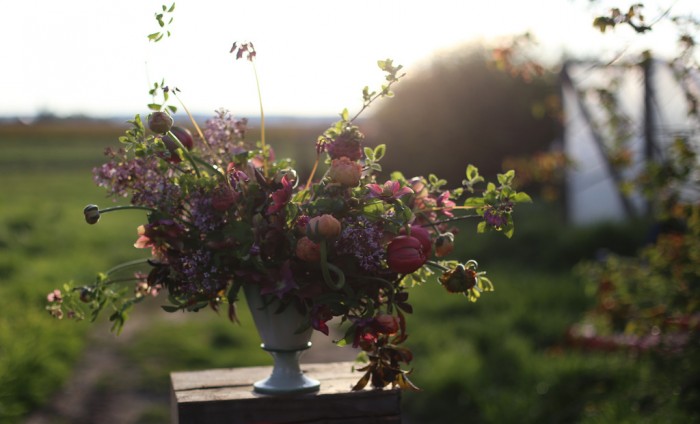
x: 391, y: 190
x: 345, y: 171
x: 321, y: 227
x: 405, y: 254
x: 308, y: 250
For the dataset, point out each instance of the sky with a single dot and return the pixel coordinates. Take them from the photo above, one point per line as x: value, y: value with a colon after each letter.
x: 92, y: 57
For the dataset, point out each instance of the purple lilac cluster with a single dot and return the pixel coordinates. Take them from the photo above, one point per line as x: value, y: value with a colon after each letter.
x: 224, y: 135
x: 139, y: 177
x: 362, y: 239
x: 197, y: 273
x: 203, y: 216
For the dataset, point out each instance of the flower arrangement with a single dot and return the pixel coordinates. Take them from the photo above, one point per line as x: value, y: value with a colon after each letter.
x: 223, y: 213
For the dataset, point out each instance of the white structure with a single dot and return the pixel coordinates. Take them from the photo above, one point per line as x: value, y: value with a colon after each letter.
x: 653, y: 101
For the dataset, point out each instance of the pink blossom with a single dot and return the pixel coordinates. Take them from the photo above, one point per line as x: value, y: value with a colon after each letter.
x: 391, y: 190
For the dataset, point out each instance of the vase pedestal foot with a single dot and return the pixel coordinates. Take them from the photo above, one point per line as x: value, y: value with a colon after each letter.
x: 287, y: 377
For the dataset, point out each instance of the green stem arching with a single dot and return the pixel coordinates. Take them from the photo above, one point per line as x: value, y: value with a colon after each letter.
x: 326, y: 267
x: 186, y: 153
x: 125, y: 265
x: 117, y: 208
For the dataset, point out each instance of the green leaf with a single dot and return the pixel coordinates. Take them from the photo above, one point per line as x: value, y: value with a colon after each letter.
x: 522, y: 198
x: 345, y: 115
x: 369, y: 154
x: 170, y: 308
x: 474, y: 202
x: 507, y: 178
x: 379, y: 152
x: 154, y: 106
x: 172, y: 8
x: 481, y: 227
x: 472, y: 172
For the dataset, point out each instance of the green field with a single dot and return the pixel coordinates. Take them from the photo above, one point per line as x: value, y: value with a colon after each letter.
x: 504, y: 359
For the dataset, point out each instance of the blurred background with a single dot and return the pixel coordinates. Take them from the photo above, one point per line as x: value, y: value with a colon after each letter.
x: 593, y: 103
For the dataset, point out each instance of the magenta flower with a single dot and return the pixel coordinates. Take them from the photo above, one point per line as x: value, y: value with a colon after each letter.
x: 446, y: 204
x: 391, y: 190
x: 281, y: 197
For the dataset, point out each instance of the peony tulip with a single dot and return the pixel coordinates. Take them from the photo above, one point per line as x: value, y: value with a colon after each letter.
x: 405, y: 254
x: 423, y: 236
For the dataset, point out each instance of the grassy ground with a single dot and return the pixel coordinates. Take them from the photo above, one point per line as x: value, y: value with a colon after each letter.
x: 502, y: 359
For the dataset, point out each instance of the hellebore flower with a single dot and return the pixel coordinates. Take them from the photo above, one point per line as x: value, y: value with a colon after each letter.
x: 307, y: 250
x: 281, y: 197
x: 405, y: 254
x: 391, y: 190
x: 320, y: 314
x: 323, y: 227
x: 345, y: 171
x: 458, y: 279
x: 386, y: 324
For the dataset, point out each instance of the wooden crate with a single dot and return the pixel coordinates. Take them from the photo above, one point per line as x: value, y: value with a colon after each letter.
x: 226, y: 396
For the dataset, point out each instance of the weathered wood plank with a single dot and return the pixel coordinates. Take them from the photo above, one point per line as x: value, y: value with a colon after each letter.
x: 227, y: 396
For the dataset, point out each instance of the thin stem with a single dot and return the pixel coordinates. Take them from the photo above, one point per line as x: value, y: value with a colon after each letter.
x: 313, y: 172
x: 367, y: 103
x: 446, y: 220
x: 437, y: 265
x: 262, y: 120
x: 196, y: 127
x: 208, y: 165
x: 126, y: 265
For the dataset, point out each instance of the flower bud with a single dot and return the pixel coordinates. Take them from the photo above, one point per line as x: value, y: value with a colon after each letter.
x: 323, y: 227
x: 444, y: 244
x: 307, y: 250
x: 345, y: 171
x: 160, y: 122
x: 55, y: 296
x: 86, y: 295
x: 184, y: 136
x: 92, y: 214
x: 405, y: 254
